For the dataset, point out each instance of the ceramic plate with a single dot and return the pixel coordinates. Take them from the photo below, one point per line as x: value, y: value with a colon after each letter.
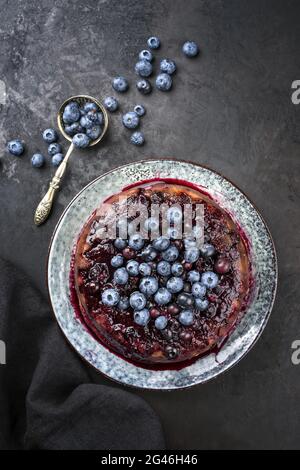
x: 262, y: 254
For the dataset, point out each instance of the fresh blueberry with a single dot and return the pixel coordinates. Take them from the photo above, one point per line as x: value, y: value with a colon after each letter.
x: 71, y: 113
x: 81, y: 140
x: 120, y: 243
x: 145, y: 269
x: 131, y: 120
x: 175, y: 284
x: 198, y: 289
x: 110, y: 297
x: 153, y: 42
x: 149, y: 253
x: 144, y: 86
x: 207, y: 250
x: 173, y: 233
x: 50, y: 135
x: 161, y: 322
x: 163, y: 268
x: 90, y: 106
x: 141, y: 317
x: 174, y: 214
x: 163, y: 82
x: 139, y: 110
x: 177, y: 269
x: 133, y: 267
x: 210, y: 279
x: 191, y: 255
x: 94, y: 132
x: 151, y: 224
x: 53, y: 149
x: 137, y: 138
x: 189, y: 243
x: 37, y: 160
x: 111, y: 104
x: 73, y: 128
x: 162, y: 296
x: 185, y: 300
x: 146, y: 55
x: 120, y: 84
x: 148, y: 285
x: 123, y: 303
x: 136, y: 241
x: 161, y: 243
x: 117, y: 261
x: 186, y: 317
x: 190, y: 49
x: 143, y: 68
x: 170, y: 254
x: 85, y: 123
x: 57, y: 159
x: 201, y: 304
x: 121, y: 276
x: 193, y: 276
x: 167, y: 66
x: 137, y: 300
x: 15, y: 147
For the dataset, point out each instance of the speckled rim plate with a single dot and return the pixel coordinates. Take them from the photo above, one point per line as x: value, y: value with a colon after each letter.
x: 263, y: 259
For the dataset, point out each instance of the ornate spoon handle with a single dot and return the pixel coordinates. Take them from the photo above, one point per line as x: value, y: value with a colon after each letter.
x: 44, y: 208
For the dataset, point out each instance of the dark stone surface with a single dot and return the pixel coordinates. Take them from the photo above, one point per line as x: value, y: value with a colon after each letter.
x: 230, y: 109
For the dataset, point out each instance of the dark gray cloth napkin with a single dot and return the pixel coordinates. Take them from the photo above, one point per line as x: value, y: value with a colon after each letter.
x: 47, y: 396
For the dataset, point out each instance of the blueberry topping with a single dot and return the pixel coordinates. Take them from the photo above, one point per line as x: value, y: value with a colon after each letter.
x: 161, y: 243
x: 177, y: 269
x: 193, y: 276
x: 146, y: 55
x: 144, y: 86
x: 57, y: 159
x: 161, y: 322
x: 186, y: 317
x: 131, y: 120
x: 141, y: 317
x: 190, y: 49
x: 198, y: 289
x: 137, y: 138
x: 149, y: 253
x: 110, y: 297
x: 151, y: 224
x: 136, y: 241
x: 143, y: 68
x: 132, y: 267
x: 191, y: 255
x: 148, y: 285
x: 207, y: 250
x: 210, y: 279
x: 145, y: 269
x: 153, y: 42
x: 175, y: 284
x: 120, y: 84
x: 121, y: 276
x: 167, y: 66
x: 123, y: 303
x: 173, y: 233
x: 163, y: 268
x: 185, y: 300
x: 111, y: 104
x: 53, y: 149
x: 137, y: 300
x: 50, y: 135
x: 170, y: 254
x: 37, y: 160
x: 162, y: 296
x: 201, y: 304
x: 15, y: 147
x: 117, y: 261
x: 120, y: 243
x: 163, y: 82
x: 81, y: 140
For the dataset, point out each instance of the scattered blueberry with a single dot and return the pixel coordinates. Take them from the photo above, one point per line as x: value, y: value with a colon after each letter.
x: 163, y: 268
x: 141, y: 317
x: 53, y: 149
x: 207, y: 250
x: 94, y: 132
x: 144, y: 86
x: 57, y: 159
x: 137, y: 138
x: 170, y: 254
x: 162, y: 296
x: 15, y: 147
x: 133, y: 267
x: 111, y: 104
x: 148, y: 285
x: 71, y: 113
x: 193, y: 276
x: 136, y: 241
x: 186, y: 317
x: 37, y: 160
x: 191, y: 255
x: 198, y: 289
x: 177, y: 269
x: 90, y: 106
x: 120, y: 243
x: 123, y: 303
x: 121, y: 276
x: 117, y: 261
x: 153, y: 42
x: 139, y: 110
x: 81, y: 140
x: 190, y: 49
x: 161, y: 322
x: 210, y: 279
x: 137, y: 300
x: 110, y: 297
x: 161, y: 243
x: 175, y: 284
x: 145, y: 269
x: 163, y: 82
x: 167, y: 66
x: 131, y: 120
x: 143, y: 68
x: 201, y: 304
x: 50, y: 135
x: 120, y: 84
x: 146, y: 55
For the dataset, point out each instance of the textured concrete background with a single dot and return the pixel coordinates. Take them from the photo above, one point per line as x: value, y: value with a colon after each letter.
x: 230, y: 109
